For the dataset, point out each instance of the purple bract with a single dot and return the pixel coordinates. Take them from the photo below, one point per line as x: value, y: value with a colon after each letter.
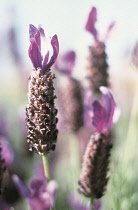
x: 104, y: 116
x: 35, y: 49
x: 90, y: 25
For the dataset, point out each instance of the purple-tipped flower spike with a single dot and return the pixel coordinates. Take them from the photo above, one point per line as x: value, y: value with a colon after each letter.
x: 41, y: 194
x: 93, y: 178
x: 104, y: 116
x: 97, y: 74
x: 41, y: 113
x: 66, y: 63
x: 90, y: 25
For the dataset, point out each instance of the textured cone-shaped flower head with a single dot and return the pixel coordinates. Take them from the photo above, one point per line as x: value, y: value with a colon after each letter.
x: 93, y: 178
x: 70, y: 100
x: 70, y: 97
x: 41, y: 113
x: 97, y: 71
x: 42, y: 194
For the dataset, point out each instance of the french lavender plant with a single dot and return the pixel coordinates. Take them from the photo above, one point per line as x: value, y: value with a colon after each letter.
x: 93, y: 178
x: 70, y: 95
x: 41, y: 194
x: 41, y: 112
x: 97, y: 73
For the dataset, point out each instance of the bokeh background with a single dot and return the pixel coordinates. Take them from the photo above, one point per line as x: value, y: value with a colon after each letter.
x: 67, y: 19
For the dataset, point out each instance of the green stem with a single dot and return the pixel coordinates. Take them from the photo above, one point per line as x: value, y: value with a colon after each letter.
x: 74, y: 160
x: 46, y: 166
x: 132, y: 134
x: 92, y: 203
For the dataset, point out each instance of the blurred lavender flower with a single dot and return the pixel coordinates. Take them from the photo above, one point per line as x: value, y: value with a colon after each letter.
x: 97, y: 74
x: 2, y: 170
x: 7, y: 151
x: 41, y: 113
x: 4, y: 128
x: 5, y: 206
x: 69, y: 91
x: 42, y: 194
x: 66, y: 63
x: 135, y: 55
x: 93, y: 178
x: 76, y: 204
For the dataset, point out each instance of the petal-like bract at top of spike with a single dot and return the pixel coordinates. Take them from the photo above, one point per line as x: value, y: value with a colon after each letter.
x: 103, y: 115
x: 55, y: 46
x: 35, y: 49
x: 90, y: 25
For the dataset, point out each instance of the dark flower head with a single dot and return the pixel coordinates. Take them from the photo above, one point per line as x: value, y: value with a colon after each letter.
x: 41, y: 194
x: 90, y: 25
x: 66, y: 63
x: 34, y: 51
x: 104, y: 116
x: 94, y: 173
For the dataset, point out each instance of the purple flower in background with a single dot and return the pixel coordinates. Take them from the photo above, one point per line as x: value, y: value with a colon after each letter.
x: 35, y: 49
x: 90, y: 25
x: 7, y: 151
x: 66, y: 63
x: 77, y: 204
x: 104, y: 115
x: 42, y: 194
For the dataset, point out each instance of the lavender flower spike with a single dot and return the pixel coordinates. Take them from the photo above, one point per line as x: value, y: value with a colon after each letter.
x: 104, y: 116
x: 95, y: 166
x: 41, y: 112
x: 42, y: 194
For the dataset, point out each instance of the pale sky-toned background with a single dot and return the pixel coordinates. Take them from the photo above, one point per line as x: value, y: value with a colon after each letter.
x: 67, y: 19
